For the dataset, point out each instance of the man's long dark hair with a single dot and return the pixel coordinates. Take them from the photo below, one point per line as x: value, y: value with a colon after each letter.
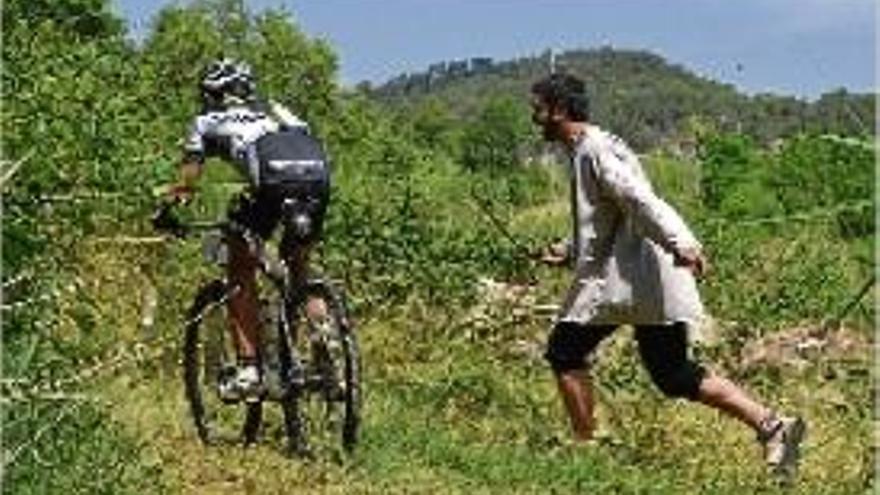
x: 564, y: 92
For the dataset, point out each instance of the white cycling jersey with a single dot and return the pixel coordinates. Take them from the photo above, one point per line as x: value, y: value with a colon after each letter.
x: 231, y: 133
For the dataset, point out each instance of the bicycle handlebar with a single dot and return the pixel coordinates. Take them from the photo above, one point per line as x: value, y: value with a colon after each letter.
x: 164, y: 220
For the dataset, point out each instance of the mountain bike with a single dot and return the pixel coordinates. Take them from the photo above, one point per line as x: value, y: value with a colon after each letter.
x: 311, y: 365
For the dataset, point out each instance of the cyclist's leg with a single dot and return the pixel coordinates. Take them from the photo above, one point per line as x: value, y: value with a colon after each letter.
x: 244, y: 302
x: 256, y: 214
x: 298, y: 262
x: 316, y: 193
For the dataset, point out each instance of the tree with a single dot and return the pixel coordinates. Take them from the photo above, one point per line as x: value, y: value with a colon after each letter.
x: 496, y: 139
x: 87, y: 19
x: 435, y: 126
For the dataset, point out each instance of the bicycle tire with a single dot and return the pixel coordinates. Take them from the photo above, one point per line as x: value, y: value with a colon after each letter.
x: 290, y: 371
x: 336, y: 390
x: 206, y: 321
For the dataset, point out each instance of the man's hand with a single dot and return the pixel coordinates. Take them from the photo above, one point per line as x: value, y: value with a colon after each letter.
x: 692, y: 259
x: 556, y: 254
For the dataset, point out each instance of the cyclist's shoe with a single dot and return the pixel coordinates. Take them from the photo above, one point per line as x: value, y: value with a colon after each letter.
x: 245, y: 384
x: 782, y: 439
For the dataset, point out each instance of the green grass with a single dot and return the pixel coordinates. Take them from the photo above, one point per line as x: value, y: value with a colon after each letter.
x: 454, y: 415
x: 457, y: 396
x: 450, y: 407
x: 72, y: 447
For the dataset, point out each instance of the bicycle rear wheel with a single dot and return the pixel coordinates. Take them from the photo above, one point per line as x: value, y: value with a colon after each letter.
x: 331, y: 405
x: 208, y: 355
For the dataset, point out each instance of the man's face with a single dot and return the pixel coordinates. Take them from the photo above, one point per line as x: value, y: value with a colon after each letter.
x: 545, y: 117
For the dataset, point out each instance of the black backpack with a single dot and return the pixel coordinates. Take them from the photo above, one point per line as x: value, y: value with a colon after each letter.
x: 291, y: 156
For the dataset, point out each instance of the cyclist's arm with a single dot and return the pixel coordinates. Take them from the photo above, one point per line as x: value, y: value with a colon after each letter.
x: 191, y: 164
x: 189, y: 173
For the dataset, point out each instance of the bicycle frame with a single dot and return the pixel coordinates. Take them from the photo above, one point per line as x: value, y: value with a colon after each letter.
x: 296, y: 377
x: 292, y: 290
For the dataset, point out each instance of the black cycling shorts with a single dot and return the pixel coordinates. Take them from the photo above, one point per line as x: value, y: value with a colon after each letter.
x: 260, y: 211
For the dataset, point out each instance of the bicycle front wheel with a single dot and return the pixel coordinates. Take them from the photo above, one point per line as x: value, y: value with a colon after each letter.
x: 208, y: 357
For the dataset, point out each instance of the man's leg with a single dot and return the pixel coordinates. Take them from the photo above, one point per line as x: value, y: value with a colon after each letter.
x: 567, y: 348
x: 722, y: 394
x: 780, y: 436
x: 664, y: 350
x: 576, y: 389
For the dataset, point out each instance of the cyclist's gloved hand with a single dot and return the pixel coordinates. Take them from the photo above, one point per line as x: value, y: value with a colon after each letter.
x: 165, y: 221
x: 179, y: 193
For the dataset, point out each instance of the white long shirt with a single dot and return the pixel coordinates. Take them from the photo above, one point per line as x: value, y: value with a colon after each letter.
x: 623, y: 236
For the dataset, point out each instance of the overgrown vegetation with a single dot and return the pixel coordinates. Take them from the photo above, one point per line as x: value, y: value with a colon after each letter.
x: 430, y: 212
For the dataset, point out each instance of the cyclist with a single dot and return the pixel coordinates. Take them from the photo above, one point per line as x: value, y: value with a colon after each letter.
x: 275, y: 151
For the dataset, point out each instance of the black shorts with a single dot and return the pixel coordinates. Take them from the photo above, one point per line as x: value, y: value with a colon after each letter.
x: 663, y: 349
x: 260, y: 211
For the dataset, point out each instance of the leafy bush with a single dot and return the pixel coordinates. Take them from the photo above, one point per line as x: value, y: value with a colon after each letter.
x: 498, y: 137
x: 836, y: 175
x: 735, y: 176
x: 808, y: 175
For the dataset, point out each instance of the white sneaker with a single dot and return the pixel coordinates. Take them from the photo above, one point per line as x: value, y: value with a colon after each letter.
x: 782, y: 438
x: 245, y: 384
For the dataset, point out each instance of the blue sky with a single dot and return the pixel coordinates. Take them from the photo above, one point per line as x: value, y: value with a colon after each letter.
x: 798, y: 47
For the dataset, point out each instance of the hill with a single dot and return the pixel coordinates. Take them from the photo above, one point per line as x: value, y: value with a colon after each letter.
x: 638, y: 94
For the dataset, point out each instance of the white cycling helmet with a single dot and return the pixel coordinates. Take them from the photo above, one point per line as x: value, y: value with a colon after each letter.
x: 226, y: 77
